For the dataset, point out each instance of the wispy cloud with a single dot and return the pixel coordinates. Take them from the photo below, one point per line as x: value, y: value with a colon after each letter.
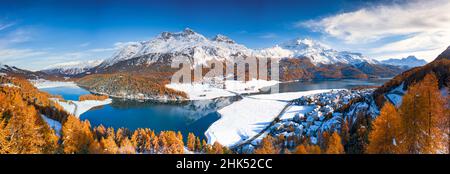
x: 96, y: 50
x: 5, y: 25
x: 268, y: 36
x: 85, y: 44
x: 413, y: 27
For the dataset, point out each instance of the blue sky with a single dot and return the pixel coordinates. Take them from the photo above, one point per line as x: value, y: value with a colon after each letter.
x: 34, y: 34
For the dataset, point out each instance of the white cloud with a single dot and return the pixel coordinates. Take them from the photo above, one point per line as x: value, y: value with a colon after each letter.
x: 15, y: 53
x: 399, y: 29
x: 101, y: 49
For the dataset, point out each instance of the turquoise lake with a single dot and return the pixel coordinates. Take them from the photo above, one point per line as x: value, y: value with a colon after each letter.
x: 194, y: 116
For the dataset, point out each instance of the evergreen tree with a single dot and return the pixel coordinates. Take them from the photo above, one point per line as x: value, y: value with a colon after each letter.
x: 109, y: 145
x: 301, y: 149
x: 385, y: 131
x: 126, y: 147
x: 307, y: 149
x: 335, y: 145
x: 198, y: 145
x: 266, y: 146
x: 76, y: 136
x: 204, y: 146
x: 345, y: 133
x: 217, y: 148
x: 191, y: 142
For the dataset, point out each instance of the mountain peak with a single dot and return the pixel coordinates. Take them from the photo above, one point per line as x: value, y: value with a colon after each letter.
x: 186, y: 33
x: 304, y: 43
x: 75, y: 64
x: 186, y: 42
x: 222, y: 38
x: 320, y: 53
x: 72, y: 68
x: 411, y: 57
x: 444, y: 55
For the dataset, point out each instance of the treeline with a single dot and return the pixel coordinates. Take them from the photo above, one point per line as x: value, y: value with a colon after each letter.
x: 92, y: 97
x: 22, y: 129
x: 123, y: 84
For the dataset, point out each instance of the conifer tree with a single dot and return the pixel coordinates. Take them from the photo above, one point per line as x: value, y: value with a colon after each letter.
x: 266, y: 146
x: 385, y: 132
x: 335, y: 145
x: 301, y: 149
x: 109, y: 145
x: 76, y: 136
x: 307, y: 149
x: 126, y: 147
x: 345, y: 132
x: 204, y: 146
x: 191, y: 142
x: 198, y: 145
x: 217, y: 148
x: 95, y: 148
x: 422, y: 111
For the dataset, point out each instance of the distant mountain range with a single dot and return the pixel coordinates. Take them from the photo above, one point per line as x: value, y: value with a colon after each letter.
x: 410, y: 62
x: 156, y: 55
x: 72, y: 68
x: 439, y: 66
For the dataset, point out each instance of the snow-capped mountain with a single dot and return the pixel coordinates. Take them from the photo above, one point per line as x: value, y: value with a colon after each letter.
x: 317, y: 52
x: 317, y: 60
x: 14, y: 71
x: 201, y: 49
x: 410, y: 61
x: 72, y: 68
x: 186, y: 43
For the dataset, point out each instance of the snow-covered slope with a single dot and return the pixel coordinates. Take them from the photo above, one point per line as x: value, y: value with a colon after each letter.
x: 410, y: 61
x: 72, y: 68
x: 317, y: 52
x: 187, y: 43
x: 200, y: 49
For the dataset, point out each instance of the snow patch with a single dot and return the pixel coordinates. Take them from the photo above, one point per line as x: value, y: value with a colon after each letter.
x: 55, y: 125
x: 206, y: 91
x: 79, y: 107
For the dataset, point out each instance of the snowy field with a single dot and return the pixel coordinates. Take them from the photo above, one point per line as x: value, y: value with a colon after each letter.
x: 246, y: 118
x: 208, y: 91
x: 79, y: 107
x: 42, y: 84
x: 55, y: 125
